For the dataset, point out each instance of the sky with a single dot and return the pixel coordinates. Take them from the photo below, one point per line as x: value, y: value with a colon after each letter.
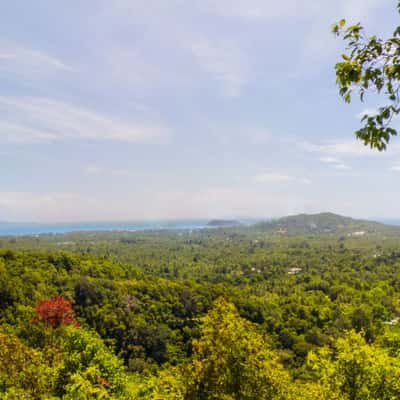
x: 136, y: 110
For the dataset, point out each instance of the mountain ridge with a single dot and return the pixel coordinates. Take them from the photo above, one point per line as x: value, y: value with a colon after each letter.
x: 324, y: 222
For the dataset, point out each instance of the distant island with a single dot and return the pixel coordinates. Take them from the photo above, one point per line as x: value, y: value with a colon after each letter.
x: 224, y: 223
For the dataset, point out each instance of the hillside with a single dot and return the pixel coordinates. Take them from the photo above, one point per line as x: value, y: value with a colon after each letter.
x: 223, y: 223
x: 324, y: 223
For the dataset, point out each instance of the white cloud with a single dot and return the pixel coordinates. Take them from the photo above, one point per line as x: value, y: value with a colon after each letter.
x: 342, y: 167
x: 33, y: 119
x: 225, y: 202
x: 201, y: 203
x: 305, y: 181
x: 334, y: 163
x: 253, y: 10
x: 278, y: 178
x: 315, y: 44
x: 23, y: 56
x: 329, y: 160
x: 29, y: 65
x: 271, y: 177
x: 93, y: 170
x: 48, y: 206
x: 344, y: 148
x: 103, y: 171
x: 7, y: 56
x: 319, y: 43
x: 128, y: 66
x: 238, y: 133
x: 258, y: 136
x: 173, y: 27
x: 395, y: 168
x: 357, y: 10
x: 261, y: 9
x: 224, y: 61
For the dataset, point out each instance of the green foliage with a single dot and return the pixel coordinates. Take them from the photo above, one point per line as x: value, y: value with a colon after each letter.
x: 74, y: 364
x: 371, y: 64
x: 231, y: 360
x: 88, y: 367
x: 168, y: 385
x: 355, y: 370
x: 23, y: 371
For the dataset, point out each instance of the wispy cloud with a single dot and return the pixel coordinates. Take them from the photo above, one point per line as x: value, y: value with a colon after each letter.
x: 33, y: 119
x: 315, y: 44
x: 251, y: 10
x: 225, y: 62
x: 395, y: 168
x: 239, y: 133
x: 334, y: 163
x: 226, y: 202
x: 25, y: 64
x: 344, y: 148
x: 342, y: 167
x: 329, y: 160
x: 279, y: 178
x: 259, y: 136
x: 97, y: 170
x: 47, y: 206
x: 7, y: 56
x: 15, y: 53
x: 207, y: 202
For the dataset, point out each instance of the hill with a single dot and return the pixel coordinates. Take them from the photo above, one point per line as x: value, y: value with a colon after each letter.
x: 324, y: 223
x: 223, y: 223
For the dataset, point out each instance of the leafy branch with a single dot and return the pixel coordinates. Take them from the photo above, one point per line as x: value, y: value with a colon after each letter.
x: 372, y: 65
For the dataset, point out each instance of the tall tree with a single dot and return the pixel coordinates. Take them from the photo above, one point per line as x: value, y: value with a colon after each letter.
x: 356, y: 370
x: 231, y: 360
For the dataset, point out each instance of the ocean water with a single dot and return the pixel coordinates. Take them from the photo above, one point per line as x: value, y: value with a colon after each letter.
x: 388, y: 221
x: 21, y: 229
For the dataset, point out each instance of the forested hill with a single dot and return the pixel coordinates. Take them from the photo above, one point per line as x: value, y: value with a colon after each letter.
x: 324, y: 223
x: 223, y: 223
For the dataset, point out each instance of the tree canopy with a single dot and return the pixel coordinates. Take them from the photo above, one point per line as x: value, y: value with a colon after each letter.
x: 232, y: 313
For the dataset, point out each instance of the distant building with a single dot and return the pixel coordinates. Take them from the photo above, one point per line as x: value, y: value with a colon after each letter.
x: 357, y: 233
x: 393, y: 321
x: 294, y: 271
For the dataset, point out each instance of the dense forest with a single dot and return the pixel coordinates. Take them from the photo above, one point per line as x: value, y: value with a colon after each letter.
x: 223, y: 313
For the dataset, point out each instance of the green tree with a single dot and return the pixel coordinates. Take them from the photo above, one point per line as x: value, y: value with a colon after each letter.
x: 232, y: 360
x: 89, y: 370
x: 355, y: 370
x: 371, y: 64
x: 24, y: 373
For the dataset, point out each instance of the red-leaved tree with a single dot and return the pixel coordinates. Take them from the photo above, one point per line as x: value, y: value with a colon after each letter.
x: 55, y: 311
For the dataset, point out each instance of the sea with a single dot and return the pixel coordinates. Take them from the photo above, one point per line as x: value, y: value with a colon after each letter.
x: 388, y: 221
x: 25, y: 229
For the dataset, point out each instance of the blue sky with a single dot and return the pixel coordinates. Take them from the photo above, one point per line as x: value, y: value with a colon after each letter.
x: 125, y: 109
